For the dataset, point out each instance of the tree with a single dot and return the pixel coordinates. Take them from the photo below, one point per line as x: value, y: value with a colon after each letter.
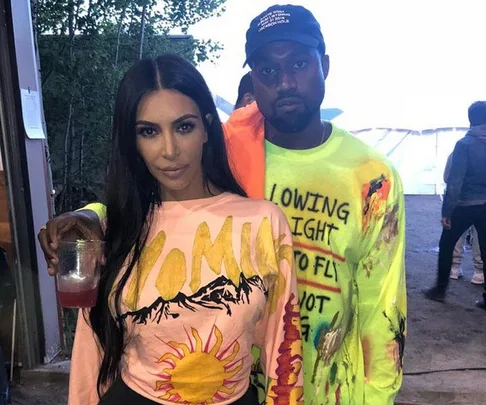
x: 85, y: 47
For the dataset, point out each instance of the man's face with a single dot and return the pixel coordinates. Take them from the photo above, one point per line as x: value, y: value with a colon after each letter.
x: 288, y: 79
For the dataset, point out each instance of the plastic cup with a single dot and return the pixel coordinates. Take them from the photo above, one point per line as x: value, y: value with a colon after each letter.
x: 78, y: 272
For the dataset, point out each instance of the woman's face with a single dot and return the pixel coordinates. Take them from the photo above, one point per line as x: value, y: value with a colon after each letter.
x: 170, y: 138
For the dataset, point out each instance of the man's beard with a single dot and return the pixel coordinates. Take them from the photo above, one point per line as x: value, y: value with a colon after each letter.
x: 292, y: 123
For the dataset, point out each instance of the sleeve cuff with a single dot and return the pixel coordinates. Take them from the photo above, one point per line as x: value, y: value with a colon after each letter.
x: 97, y: 208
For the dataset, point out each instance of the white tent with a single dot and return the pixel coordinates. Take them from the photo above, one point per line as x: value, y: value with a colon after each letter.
x: 414, y: 112
x: 419, y: 156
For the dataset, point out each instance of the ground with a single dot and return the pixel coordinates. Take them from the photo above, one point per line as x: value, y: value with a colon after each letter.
x: 448, y: 337
x: 440, y: 336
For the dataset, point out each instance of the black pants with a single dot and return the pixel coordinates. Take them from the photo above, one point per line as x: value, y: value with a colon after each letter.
x: 461, y: 220
x: 121, y: 394
x: 4, y: 385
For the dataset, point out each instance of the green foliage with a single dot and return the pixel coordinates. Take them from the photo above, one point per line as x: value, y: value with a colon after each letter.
x: 85, y: 47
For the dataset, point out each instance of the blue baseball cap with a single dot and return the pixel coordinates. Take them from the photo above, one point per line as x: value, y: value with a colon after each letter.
x: 283, y: 23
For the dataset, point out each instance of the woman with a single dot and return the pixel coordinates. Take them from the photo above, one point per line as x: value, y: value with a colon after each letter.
x: 195, y: 272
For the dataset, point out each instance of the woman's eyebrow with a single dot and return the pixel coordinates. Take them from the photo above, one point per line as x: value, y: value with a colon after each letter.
x: 142, y: 122
x: 184, y: 117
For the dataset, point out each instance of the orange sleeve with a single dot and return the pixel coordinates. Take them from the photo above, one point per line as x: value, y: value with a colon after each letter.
x: 245, y: 143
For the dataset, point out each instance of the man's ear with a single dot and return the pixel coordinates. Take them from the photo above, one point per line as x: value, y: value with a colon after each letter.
x: 325, y: 65
x: 209, y: 119
x: 248, y: 98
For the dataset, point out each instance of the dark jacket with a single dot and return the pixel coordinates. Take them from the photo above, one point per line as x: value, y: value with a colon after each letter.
x: 447, y: 169
x: 466, y: 181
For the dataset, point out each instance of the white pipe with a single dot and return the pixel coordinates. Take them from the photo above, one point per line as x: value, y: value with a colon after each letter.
x: 14, y: 324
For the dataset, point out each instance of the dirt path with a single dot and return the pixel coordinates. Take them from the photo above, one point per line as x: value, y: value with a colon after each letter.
x: 440, y: 336
x: 40, y: 393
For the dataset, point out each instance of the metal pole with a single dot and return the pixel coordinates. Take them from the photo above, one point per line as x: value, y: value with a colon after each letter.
x: 14, y: 324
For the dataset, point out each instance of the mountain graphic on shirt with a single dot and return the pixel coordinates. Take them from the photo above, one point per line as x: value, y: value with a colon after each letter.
x: 220, y: 294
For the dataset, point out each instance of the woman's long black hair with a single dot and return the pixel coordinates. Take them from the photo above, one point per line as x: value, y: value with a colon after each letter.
x: 132, y: 192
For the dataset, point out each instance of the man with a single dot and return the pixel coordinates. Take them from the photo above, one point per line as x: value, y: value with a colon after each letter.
x: 465, y: 199
x: 458, y: 253
x: 344, y: 202
x: 245, y: 92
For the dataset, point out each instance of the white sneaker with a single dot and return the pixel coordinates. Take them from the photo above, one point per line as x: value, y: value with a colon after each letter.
x: 478, y: 278
x: 456, y: 273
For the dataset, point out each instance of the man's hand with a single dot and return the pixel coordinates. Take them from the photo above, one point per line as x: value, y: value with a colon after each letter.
x: 69, y: 226
x: 446, y: 223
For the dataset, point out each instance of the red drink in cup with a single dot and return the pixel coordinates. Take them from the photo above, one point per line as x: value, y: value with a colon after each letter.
x: 78, y: 272
x: 78, y: 297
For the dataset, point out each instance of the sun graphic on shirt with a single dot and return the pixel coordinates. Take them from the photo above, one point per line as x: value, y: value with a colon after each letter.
x: 210, y: 367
